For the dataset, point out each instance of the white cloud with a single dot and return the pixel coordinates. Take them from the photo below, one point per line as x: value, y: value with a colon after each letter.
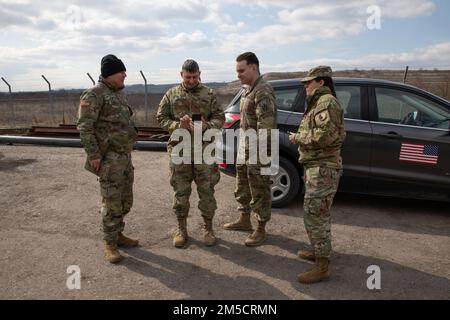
x: 435, y: 56
x: 302, y: 21
x: 397, y: 8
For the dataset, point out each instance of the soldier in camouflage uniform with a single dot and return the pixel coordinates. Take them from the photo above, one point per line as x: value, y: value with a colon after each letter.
x: 108, y: 133
x: 176, y: 111
x: 253, y: 191
x: 320, y: 136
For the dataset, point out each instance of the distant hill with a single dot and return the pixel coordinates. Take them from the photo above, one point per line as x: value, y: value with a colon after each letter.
x: 132, y: 88
x: 162, y: 88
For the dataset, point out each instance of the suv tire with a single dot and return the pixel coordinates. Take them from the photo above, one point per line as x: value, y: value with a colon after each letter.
x: 285, y: 185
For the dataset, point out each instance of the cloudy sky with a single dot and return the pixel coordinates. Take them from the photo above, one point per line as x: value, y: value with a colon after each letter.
x: 64, y: 40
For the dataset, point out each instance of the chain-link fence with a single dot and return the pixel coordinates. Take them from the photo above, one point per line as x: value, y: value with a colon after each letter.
x: 28, y: 109
x: 53, y: 107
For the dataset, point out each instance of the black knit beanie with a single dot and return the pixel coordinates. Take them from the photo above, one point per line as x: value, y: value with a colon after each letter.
x: 110, y: 65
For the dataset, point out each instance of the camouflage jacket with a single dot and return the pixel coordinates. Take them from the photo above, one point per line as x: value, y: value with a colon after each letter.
x: 258, y: 106
x: 180, y: 101
x: 105, y: 121
x: 258, y: 111
x: 321, y: 132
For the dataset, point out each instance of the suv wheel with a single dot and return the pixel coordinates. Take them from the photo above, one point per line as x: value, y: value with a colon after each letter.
x: 285, y: 185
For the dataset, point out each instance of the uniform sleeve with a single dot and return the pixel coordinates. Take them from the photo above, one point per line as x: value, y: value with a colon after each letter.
x: 265, y: 111
x: 165, y: 115
x: 297, y: 137
x: 326, y: 130
x: 217, y: 117
x: 265, y: 116
x: 88, y: 113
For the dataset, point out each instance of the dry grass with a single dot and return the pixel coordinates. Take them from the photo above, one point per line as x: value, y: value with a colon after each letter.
x: 34, y: 109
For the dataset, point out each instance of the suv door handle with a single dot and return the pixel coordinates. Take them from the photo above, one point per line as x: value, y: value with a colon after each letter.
x: 391, y: 135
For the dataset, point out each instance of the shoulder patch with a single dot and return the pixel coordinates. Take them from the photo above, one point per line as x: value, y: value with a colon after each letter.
x: 85, y: 104
x: 322, y: 118
x: 99, y: 89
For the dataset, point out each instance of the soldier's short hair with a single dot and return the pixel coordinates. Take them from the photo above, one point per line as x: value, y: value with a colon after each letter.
x: 249, y: 57
x: 190, y: 66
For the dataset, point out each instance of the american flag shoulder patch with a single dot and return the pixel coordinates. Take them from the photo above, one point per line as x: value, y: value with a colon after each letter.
x: 419, y: 153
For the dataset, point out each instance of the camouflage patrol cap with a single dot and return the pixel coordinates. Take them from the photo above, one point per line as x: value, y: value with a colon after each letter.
x: 316, y: 72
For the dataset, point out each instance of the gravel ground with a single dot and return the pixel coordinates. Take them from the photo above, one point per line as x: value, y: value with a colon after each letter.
x: 50, y: 219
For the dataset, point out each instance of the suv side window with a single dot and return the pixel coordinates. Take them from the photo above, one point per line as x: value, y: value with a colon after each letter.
x: 285, y: 98
x: 350, y: 99
x: 403, y: 107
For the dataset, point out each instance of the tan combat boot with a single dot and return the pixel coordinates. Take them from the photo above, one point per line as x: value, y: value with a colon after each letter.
x: 257, y: 237
x: 318, y: 273
x: 111, y: 252
x: 180, y: 238
x: 242, y: 224
x: 307, y: 255
x: 124, y: 241
x: 209, y: 237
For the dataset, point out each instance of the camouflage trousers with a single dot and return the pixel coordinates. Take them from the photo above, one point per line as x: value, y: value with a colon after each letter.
x: 321, y: 184
x: 116, y: 184
x: 205, y: 177
x: 253, y: 191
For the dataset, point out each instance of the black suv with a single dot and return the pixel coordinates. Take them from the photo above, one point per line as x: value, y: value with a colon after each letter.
x: 397, y: 144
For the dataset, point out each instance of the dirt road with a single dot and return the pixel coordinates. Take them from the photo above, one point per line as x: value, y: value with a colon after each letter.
x: 49, y: 220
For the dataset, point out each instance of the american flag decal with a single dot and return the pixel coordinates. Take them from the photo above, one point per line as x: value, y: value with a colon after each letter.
x: 419, y: 153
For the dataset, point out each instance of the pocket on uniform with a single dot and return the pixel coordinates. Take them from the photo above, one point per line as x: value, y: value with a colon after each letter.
x: 312, y: 177
x: 326, y: 175
x: 215, y: 175
x: 172, y: 177
x: 104, y: 171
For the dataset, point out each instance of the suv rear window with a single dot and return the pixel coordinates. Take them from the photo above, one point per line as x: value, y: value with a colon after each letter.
x: 284, y: 99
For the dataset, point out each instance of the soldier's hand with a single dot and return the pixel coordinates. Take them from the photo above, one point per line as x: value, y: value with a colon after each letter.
x: 292, y: 137
x: 96, y: 164
x: 185, y: 122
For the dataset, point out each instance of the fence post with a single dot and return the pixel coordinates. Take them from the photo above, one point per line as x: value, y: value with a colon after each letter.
x: 10, y: 101
x: 93, y: 82
x: 50, y: 97
x: 406, y: 74
x: 145, y: 98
